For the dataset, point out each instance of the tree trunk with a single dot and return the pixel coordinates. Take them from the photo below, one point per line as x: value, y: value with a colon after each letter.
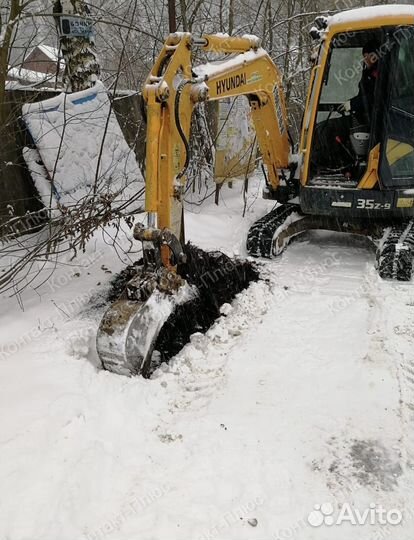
x: 7, y: 33
x: 231, y: 17
x: 289, y: 42
x: 184, y: 19
x: 82, y: 68
x: 270, y: 23
x: 172, y: 16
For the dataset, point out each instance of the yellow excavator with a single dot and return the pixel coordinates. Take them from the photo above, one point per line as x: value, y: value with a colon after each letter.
x: 353, y: 170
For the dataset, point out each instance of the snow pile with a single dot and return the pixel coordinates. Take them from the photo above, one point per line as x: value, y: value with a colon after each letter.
x: 82, y: 148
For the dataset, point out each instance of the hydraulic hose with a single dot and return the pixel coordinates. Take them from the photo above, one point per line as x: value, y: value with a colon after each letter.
x: 178, y: 96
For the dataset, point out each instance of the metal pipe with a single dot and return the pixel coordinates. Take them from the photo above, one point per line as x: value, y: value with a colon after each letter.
x: 152, y: 220
x: 200, y: 42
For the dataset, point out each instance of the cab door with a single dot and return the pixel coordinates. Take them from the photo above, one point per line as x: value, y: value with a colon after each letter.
x: 397, y: 159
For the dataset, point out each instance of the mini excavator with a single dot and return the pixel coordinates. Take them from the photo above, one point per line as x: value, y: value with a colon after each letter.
x: 349, y: 174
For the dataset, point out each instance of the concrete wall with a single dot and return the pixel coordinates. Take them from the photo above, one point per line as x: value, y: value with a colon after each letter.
x: 16, y: 186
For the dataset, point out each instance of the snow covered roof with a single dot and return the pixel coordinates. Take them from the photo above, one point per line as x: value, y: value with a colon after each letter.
x: 29, y: 76
x: 13, y: 85
x: 50, y: 52
x: 375, y: 13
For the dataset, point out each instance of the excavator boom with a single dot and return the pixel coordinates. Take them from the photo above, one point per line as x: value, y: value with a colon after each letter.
x: 129, y: 330
x: 175, y: 86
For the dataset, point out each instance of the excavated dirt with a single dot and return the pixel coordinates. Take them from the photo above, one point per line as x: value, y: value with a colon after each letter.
x: 218, y: 280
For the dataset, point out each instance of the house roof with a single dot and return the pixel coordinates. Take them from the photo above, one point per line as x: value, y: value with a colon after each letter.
x: 50, y: 52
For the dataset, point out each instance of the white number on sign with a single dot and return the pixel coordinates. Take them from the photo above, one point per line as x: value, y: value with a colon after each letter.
x: 370, y: 204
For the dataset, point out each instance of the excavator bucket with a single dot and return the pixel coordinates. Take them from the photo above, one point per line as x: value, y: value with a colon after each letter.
x: 129, y: 330
x: 159, y: 309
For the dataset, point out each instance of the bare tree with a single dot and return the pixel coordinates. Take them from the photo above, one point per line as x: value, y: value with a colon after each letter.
x: 7, y: 28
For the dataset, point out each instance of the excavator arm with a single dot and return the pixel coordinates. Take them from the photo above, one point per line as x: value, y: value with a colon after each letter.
x: 175, y: 86
x: 156, y: 291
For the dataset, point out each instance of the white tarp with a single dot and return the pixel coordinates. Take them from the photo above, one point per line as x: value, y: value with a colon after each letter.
x: 82, y: 147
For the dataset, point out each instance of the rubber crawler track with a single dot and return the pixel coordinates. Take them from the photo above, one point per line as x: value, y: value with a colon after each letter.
x: 261, y: 234
x: 395, y: 256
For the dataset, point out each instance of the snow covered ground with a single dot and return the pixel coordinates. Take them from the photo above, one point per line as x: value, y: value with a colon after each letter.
x: 301, y: 395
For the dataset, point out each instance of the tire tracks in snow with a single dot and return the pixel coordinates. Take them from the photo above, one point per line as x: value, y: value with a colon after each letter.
x: 384, y: 465
x: 400, y: 343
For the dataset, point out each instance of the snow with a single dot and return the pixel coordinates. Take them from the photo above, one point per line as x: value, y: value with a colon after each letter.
x: 251, y: 37
x: 13, y: 85
x: 371, y: 13
x: 33, y: 77
x: 92, y: 147
x: 300, y: 394
x: 39, y: 175
x: 2, y: 35
x: 217, y: 68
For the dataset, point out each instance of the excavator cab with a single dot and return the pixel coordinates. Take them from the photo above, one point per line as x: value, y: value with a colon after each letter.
x: 360, y: 157
x: 344, y: 115
x: 383, y: 115
x: 356, y: 155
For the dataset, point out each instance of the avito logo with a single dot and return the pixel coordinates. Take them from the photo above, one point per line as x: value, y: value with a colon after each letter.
x: 326, y: 514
